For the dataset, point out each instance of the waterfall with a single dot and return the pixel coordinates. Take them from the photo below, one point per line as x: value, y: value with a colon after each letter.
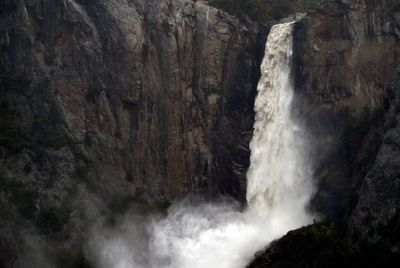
x: 279, y: 184
x: 221, y: 234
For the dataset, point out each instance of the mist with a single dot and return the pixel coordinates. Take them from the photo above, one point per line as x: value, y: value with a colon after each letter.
x: 192, y: 234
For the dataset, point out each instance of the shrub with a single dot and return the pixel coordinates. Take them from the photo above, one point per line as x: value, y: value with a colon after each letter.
x: 264, y: 10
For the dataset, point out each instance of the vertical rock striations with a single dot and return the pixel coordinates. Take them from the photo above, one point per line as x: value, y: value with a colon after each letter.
x: 114, y: 100
x: 346, y: 56
x: 155, y: 94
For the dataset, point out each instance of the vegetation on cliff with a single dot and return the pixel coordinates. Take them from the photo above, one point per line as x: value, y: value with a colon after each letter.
x: 264, y: 10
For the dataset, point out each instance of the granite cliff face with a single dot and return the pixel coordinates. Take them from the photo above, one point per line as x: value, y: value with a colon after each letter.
x: 145, y: 89
x: 119, y: 100
x: 347, y: 55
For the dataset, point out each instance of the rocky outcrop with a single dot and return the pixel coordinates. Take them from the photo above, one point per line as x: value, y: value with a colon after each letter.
x: 109, y: 101
x: 323, y: 245
x: 376, y: 215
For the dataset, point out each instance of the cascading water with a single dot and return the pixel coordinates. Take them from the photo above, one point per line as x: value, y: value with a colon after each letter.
x: 279, y: 184
x: 220, y: 235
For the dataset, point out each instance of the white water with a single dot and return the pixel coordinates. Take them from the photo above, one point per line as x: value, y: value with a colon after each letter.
x: 220, y: 235
x: 279, y: 184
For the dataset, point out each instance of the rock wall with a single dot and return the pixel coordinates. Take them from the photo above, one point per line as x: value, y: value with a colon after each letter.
x: 110, y: 101
x: 155, y: 94
x: 346, y: 56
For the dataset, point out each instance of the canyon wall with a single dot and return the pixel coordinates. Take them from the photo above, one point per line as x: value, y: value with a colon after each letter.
x: 347, y: 57
x: 109, y: 102
x: 105, y: 102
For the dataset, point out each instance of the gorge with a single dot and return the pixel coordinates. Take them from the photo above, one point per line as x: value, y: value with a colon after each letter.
x: 113, y: 111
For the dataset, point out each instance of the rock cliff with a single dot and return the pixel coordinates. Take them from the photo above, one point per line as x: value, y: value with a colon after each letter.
x: 105, y: 102
x: 345, y: 74
x: 119, y: 100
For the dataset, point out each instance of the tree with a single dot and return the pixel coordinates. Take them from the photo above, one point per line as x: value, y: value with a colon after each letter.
x: 264, y: 10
